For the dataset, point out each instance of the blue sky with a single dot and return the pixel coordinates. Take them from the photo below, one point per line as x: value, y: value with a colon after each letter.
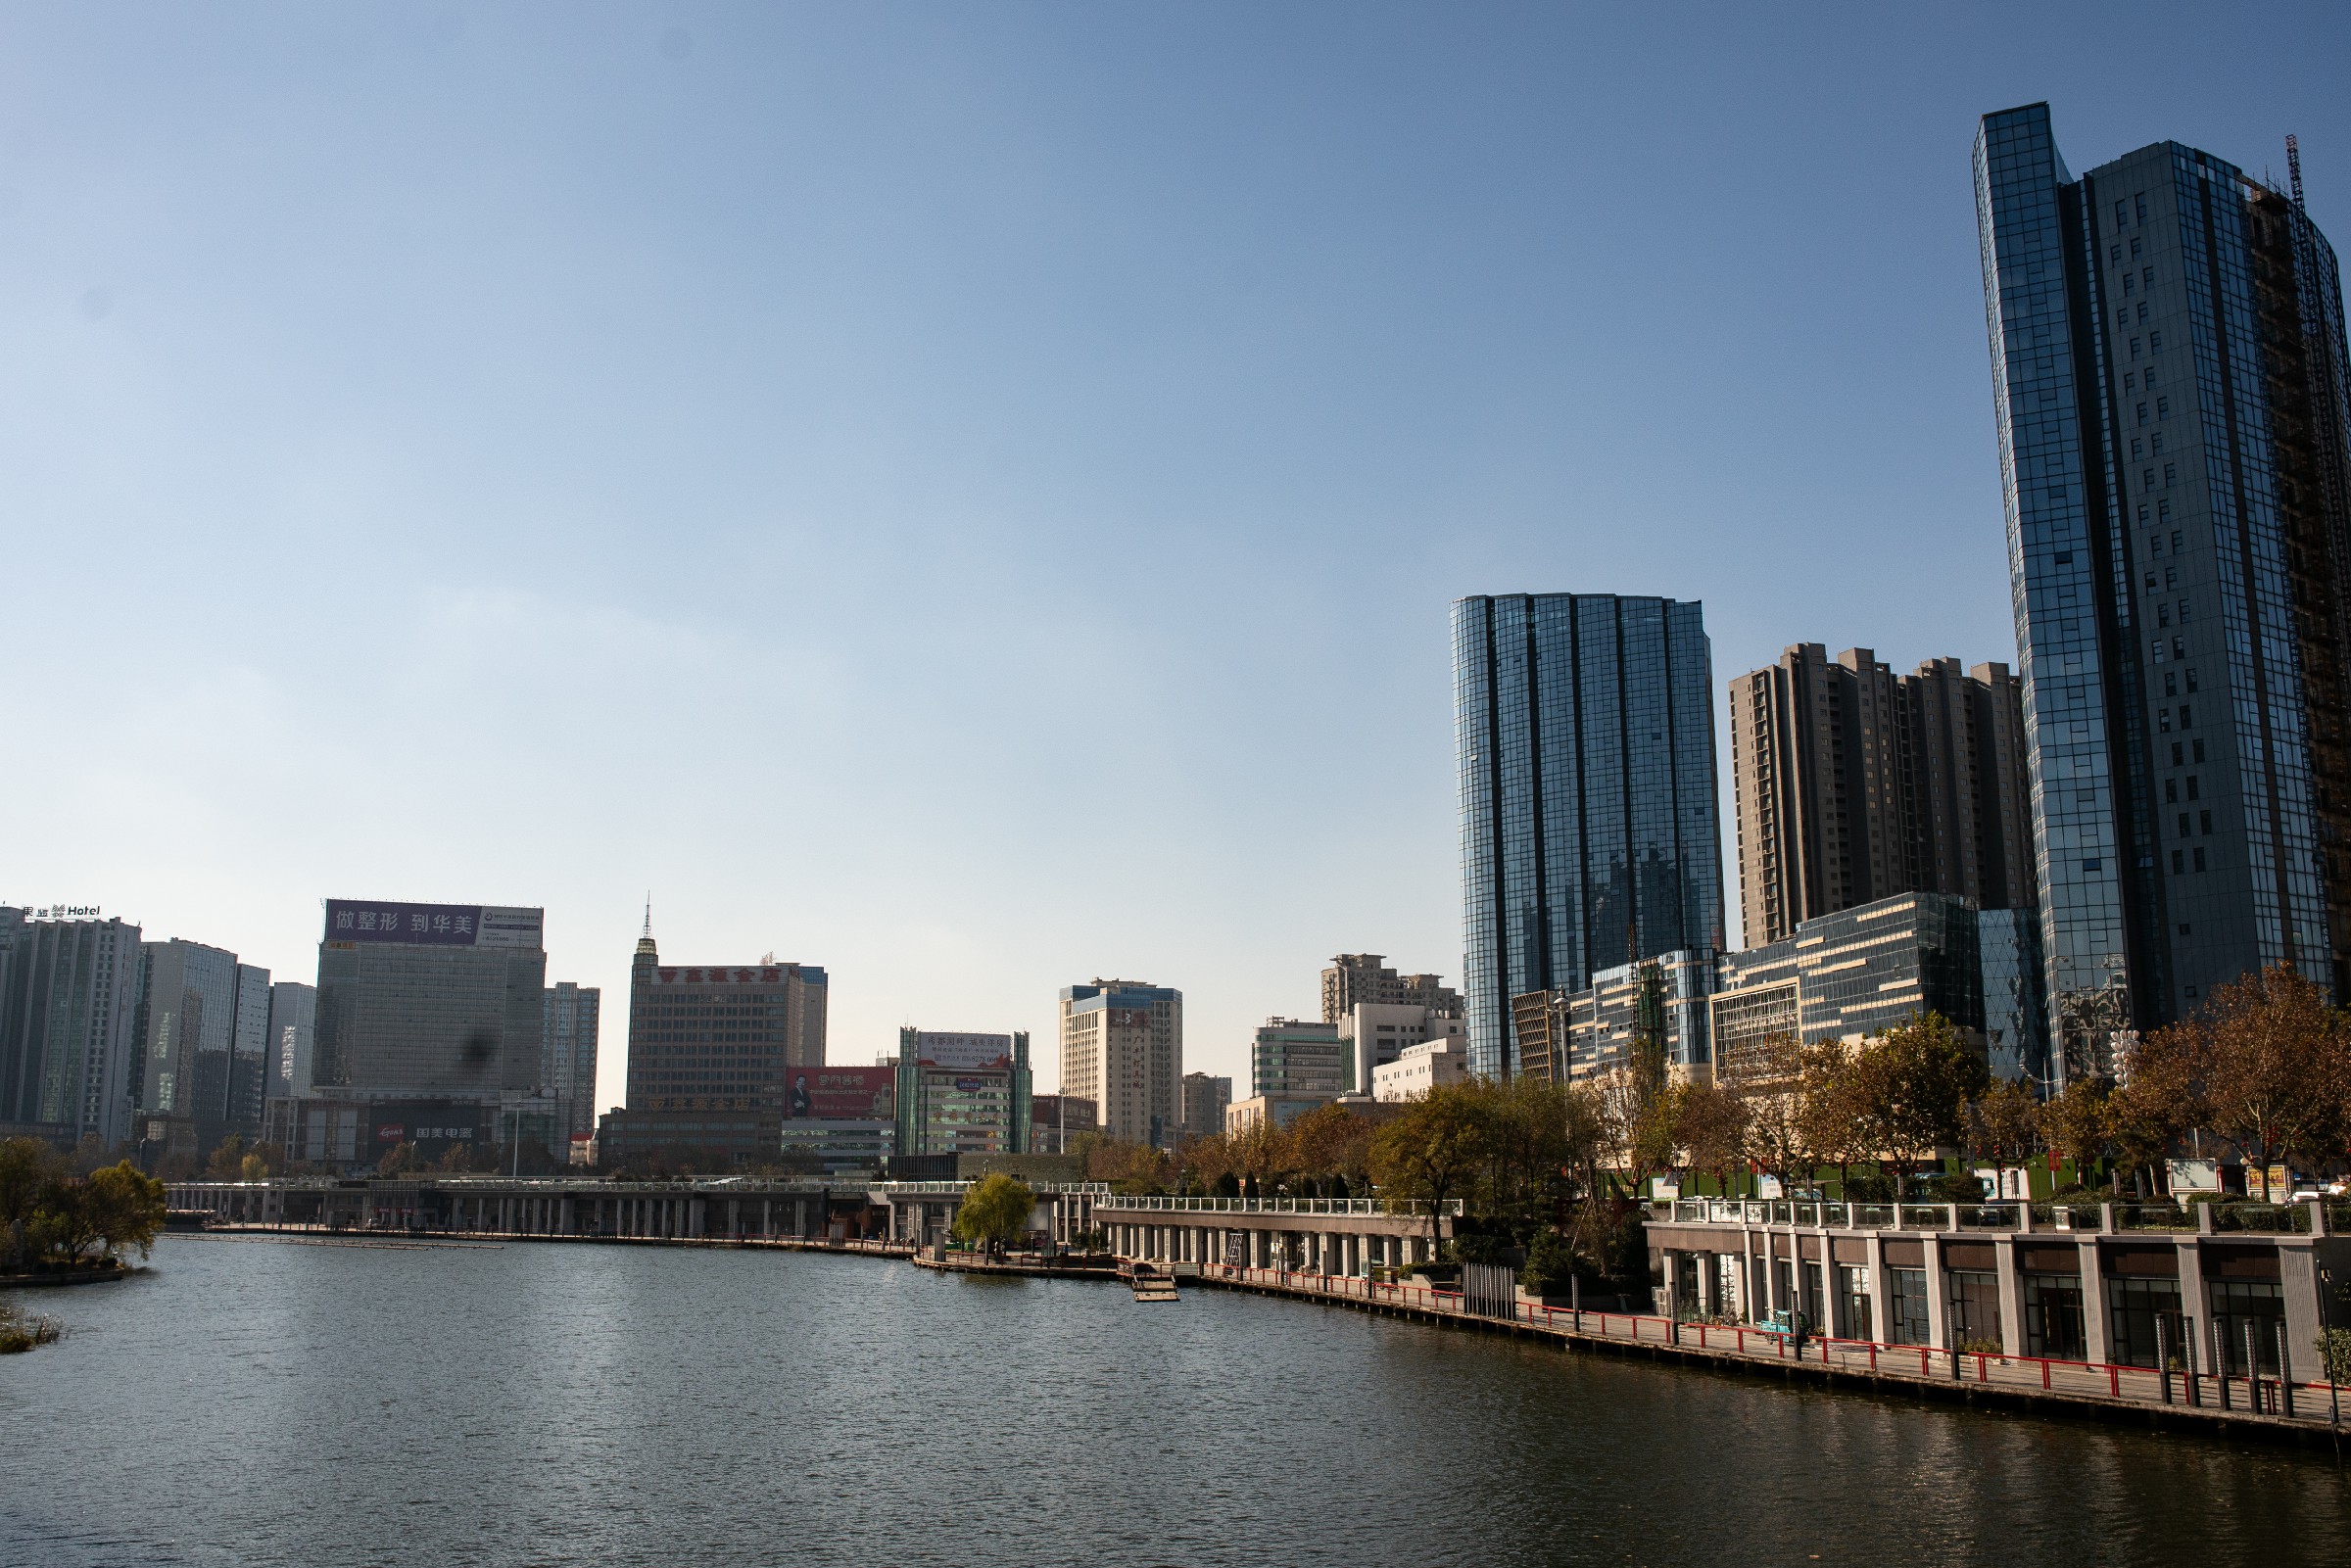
x: 968, y: 496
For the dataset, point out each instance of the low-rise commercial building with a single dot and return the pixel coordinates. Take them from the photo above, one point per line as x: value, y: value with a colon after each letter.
x: 2106, y: 1284
x: 1205, y: 1098
x: 1292, y: 1057
x: 962, y: 1093
x: 1428, y: 1065
x: 1056, y: 1121
x: 839, y: 1119
x: 1373, y: 1035
x: 688, y: 1140
x: 1566, y: 1036
x: 1850, y: 976
x: 1281, y: 1110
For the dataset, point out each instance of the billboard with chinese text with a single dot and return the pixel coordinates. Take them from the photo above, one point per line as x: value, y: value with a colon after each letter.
x: 840, y: 1094
x: 376, y: 919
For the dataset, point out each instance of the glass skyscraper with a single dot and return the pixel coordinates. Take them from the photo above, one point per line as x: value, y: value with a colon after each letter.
x: 1590, y: 836
x: 2168, y: 367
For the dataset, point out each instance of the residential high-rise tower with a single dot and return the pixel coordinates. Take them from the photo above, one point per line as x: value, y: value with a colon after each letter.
x: 1853, y: 784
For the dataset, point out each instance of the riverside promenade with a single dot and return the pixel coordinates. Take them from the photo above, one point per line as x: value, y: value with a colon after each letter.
x: 2235, y: 1405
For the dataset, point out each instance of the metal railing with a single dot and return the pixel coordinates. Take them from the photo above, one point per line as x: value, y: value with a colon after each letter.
x: 1148, y: 1205
x: 2265, y: 1393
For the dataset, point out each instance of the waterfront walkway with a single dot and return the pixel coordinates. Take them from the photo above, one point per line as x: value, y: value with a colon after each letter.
x: 393, y: 1236
x: 2297, y: 1412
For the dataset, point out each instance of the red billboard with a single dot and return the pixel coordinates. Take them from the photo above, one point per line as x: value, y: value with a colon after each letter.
x: 838, y: 1094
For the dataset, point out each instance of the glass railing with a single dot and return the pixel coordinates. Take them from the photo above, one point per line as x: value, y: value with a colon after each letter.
x: 2153, y: 1217
x: 2273, y: 1219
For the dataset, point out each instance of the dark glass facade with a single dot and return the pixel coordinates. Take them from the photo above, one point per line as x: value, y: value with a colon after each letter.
x: 69, y: 1003
x: 429, y: 1012
x: 1590, y: 836
x: 2140, y: 399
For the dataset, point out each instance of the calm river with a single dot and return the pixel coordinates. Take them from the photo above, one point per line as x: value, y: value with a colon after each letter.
x: 259, y: 1402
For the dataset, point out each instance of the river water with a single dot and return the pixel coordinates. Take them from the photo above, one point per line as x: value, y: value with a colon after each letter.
x: 259, y: 1402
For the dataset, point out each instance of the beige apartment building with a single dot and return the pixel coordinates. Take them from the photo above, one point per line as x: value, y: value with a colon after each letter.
x: 1853, y: 784
x: 1122, y: 1047
x: 1354, y: 979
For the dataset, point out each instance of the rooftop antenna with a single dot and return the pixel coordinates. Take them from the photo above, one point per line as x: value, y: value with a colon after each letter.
x: 649, y: 912
x: 2293, y: 169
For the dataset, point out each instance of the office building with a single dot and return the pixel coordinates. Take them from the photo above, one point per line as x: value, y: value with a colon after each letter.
x: 720, y: 1038
x: 427, y: 1032
x: 689, y: 1141
x: 2016, y: 1020
x: 1354, y: 979
x: 1850, y: 976
x: 839, y: 1119
x: 1056, y: 1120
x: 293, y: 1038
x: 2170, y: 391
x: 69, y: 1014
x: 569, y: 1023
x: 1853, y: 784
x: 1430, y: 1065
x: 249, y: 1060
x: 1205, y: 1098
x: 1585, y: 728
x: 1566, y: 1036
x: 1122, y: 1047
x: 1294, y: 1057
x: 959, y: 1094
x: 1373, y: 1035
x: 188, y: 1030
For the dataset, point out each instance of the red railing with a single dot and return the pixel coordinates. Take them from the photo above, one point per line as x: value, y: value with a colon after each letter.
x: 2317, y: 1403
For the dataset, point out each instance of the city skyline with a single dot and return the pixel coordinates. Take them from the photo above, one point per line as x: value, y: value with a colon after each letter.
x: 359, y: 551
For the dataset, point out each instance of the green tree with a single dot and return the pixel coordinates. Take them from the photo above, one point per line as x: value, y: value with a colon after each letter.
x: 227, y: 1163
x: 1329, y: 1145
x: 125, y: 1207
x: 1771, y: 1088
x: 2276, y: 1063
x: 28, y: 1167
x: 1710, y: 1122
x: 1431, y: 1152
x: 400, y: 1160
x: 996, y: 1210
x: 1920, y: 1075
x: 2075, y: 1123
x: 2158, y: 1099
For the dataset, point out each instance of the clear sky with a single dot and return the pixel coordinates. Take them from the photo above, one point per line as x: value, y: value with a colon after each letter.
x: 968, y: 494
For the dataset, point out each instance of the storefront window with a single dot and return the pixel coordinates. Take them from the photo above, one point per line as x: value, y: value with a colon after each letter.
x: 1974, y: 1305
x: 1909, y: 1300
x: 2053, y: 1317
x: 2134, y: 1308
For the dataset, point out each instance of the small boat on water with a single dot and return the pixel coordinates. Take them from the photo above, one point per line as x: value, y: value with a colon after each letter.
x: 1150, y: 1285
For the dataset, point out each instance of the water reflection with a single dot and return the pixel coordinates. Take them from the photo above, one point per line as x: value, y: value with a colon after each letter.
x: 265, y: 1404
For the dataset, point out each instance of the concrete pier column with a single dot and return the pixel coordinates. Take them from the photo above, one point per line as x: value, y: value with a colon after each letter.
x: 1939, y: 1328
x: 1881, y: 1291
x: 2012, y: 1297
x: 2094, y: 1320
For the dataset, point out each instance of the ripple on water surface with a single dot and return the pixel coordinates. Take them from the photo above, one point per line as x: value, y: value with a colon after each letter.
x: 259, y: 1403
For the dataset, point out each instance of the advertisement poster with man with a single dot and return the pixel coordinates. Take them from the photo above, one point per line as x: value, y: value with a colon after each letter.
x: 838, y: 1094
